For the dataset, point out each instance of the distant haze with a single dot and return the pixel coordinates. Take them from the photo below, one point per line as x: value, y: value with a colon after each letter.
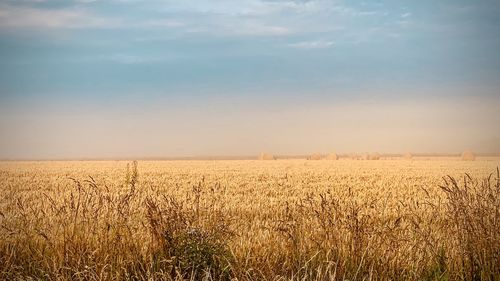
x: 236, y: 127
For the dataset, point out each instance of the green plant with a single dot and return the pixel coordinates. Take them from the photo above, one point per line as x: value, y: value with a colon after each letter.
x: 191, y: 239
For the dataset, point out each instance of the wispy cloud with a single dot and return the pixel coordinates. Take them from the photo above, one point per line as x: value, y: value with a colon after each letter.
x: 163, y: 23
x: 318, y: 44
x: 221, y: 18
x: 216, y: 20
x: 125, y: 58
x: 30, y: 17
x: 247, y: 7
x: 260, y: 30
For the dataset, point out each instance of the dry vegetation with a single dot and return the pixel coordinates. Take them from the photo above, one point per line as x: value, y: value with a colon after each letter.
x: 250, y: 220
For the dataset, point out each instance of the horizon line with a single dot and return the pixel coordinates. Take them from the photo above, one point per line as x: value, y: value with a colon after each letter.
x: 237, y: 157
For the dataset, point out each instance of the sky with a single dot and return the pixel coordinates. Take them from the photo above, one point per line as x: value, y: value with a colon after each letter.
x: 152, y: 78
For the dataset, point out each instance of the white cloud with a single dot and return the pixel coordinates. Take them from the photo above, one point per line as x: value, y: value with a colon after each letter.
x: 29, y: 17
x: 244, y: 7
x: 164, y: 23
x: 319, y: 44
x: 222, y: 18
x: 239, y: 27
x: 264, y: 30
x: 243, y: 31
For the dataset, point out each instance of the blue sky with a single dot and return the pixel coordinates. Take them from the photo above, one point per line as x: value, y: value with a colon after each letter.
x: 119, y: 58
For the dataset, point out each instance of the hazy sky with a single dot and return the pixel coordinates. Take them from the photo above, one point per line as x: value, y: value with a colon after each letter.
x: 130, y: 78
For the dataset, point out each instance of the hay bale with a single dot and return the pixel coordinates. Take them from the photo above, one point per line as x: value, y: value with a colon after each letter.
x: 266, y: 156
x: 407, y: 156
x: 315, y: 156
x: 374, y: 156
x: 468, y: 156
x: 332, y: 156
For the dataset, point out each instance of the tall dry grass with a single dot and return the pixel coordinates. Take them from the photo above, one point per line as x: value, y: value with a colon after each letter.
x: 473, y: 213
x: 131, y: 229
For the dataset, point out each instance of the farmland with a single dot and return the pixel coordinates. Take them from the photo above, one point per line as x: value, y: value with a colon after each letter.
x: 250, y: 220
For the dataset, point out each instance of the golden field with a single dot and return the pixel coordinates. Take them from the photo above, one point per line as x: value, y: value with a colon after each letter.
x: 250, y: 220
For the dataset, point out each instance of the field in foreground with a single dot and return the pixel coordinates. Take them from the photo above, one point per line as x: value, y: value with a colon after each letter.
x: 250, y: 220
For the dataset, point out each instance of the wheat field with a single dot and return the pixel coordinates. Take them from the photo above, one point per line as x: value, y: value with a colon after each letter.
x: 250, y: 220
